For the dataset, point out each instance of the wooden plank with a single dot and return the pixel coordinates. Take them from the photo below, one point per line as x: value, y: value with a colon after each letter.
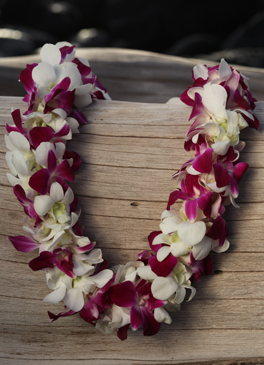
x: 130, y: 75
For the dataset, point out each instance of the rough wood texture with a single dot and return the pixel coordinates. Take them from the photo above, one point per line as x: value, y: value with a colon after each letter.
x: 129, y: 152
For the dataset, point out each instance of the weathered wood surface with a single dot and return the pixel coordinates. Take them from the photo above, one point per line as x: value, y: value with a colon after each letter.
x: 129, y: 75
x: 129, y: 152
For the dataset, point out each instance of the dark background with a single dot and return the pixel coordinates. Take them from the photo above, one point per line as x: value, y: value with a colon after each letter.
x: 200, y: 29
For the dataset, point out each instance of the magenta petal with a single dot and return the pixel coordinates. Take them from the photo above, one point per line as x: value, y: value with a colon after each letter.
x: 150, y: 325
x: 39, y: 181
x: 191, y: 209
x: 222, y: 176
x: 23, y: 243
x: 198, y: 107
x: 76, y: 159
x: 186, y: 99
x: 51, y: 161
x: 234, y: 188
x: 252, y: 123
x: 64, y: 170
x: 122, y: 332
x: 238, y: 98
x: 218, y: 230
x: 124, y: 294
x: 205, y: 203
x: 174, y: 196
x: 64, y: 261
x: 45, y: 260
x: 79, y: 116
x: 151, y: 237
x: 136, y: 317
x: 65, y: 50
x: 202, y: 267
x: 165, y: 267
x: 239, y: 171
x: 90, y: 312
x: 54, y: 317
x: 204, y: 162
x: 40, y: 134
x: 26, y: 78
x: 16, y: 115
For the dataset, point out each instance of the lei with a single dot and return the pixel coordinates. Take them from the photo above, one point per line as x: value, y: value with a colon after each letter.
x: 141, y: 292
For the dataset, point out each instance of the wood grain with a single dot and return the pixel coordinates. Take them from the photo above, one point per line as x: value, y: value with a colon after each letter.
x: 129, y: 152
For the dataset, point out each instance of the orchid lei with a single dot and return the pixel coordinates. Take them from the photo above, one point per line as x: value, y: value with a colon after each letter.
x: 140, y: 292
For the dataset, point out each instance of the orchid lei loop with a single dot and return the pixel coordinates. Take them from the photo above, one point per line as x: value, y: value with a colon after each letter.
x: 140, y: 292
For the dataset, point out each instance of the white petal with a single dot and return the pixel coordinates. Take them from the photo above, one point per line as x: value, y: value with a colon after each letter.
x: 161, y: 238
x: 51, y: 54
x: 42, y: 204
x: 225, y: 247
x: 191, y: 233
x: 170, y: 224
x: 56, y: 296
x: 214, y: 98
x: 179, y: 249
x: 202, y: 249
x: 80, y: 267
x: 74, y: 299
x: 9, y: 162
x: 68, y: 197
x: 13, y: 180
x: 69, y: 70
x: 200, y: 71
x: 56, y: 192
x: 221, y: 147
x: 74, y: 125
x: 163, y: 288
x: 161, y: 315
x: 19, y: 163
x: 19, y: 141
x: 42, y: 151
x: 44, y: 74
x: 102, y: 278
x: 60, y: 112
x: 224, y: 70
x: 83, y: 96
x: 146, y: 273
x: 163, y: 252
x: 59, y: 150
x: 180, y: 295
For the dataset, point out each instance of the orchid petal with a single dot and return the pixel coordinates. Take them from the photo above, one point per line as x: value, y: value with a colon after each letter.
x: 146, y: 273
x: 202, y: 249
x: 161, y: 315
x: 214, y: 98
x: 44, y: 74
x: 74, y: 299
x: 50, y: 54
x: 102, y: 278
x: 191, y: 233
x: 56, y: 192
x: 56, y: 296
x: 163, y: 253
x: 42, y: 204
x: 163, y: 288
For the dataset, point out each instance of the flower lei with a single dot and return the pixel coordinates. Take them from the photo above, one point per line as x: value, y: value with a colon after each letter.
x: 140, y: 292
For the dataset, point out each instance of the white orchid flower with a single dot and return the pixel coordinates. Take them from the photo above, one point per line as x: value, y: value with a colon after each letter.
x: 173, y: 287
x: 74, y: 298
x: 57, y: 203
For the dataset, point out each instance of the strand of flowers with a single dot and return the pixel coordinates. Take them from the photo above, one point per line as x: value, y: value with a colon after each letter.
x: 142, y: 291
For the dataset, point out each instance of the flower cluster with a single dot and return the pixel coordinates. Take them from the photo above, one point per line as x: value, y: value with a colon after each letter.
x: 141, y: 292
